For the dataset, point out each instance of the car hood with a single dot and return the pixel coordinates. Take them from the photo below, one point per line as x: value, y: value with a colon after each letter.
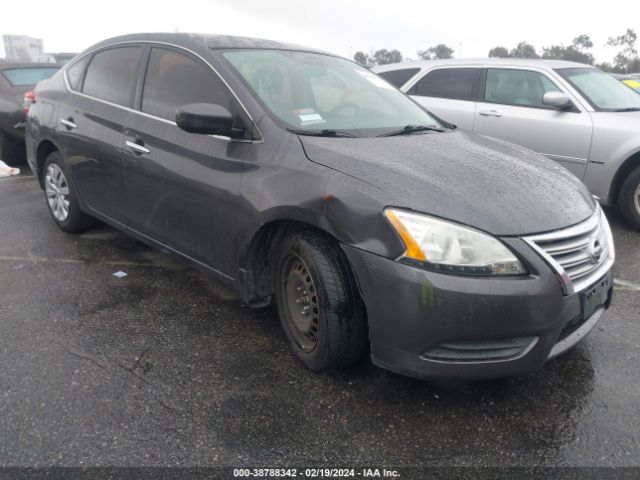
x: 479, y: 181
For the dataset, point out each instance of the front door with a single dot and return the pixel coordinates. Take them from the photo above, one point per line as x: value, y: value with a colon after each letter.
x: 512, y: 110
x: 182, y: 189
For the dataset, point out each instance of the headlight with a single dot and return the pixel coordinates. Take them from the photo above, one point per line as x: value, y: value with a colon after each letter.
x: 452, y: 248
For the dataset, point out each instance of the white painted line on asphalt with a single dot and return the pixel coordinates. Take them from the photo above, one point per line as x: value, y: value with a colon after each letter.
x: 126, y: 263
x: 624, y: 285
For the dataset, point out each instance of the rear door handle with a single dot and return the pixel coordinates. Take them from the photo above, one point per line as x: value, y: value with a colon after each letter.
x: 490, y: 113
x: 68, y: 122
x: 137, y: 148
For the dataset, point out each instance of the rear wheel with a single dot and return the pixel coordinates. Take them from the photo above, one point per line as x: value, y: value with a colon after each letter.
x: 318, y: 303
x: 61, y: 196
x: 630, y: 199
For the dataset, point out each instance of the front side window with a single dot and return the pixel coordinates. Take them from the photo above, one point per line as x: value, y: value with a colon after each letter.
x: 112, y: 75
x: 452, y: 83
x: 398, y: 78
x: 521, y: 88
x: 174, y: 80
x: 602, y: 91
x: 319, y: 92
x: 22, y: 77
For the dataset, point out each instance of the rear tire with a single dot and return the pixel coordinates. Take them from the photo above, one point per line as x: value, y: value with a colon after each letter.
x: 313, y: 276
x: 629, y: 199
x: 11, y: 152
x: 61, y: 196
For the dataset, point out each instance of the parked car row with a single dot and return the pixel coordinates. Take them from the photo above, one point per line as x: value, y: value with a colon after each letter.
x: 631, y: 81
x: 15, y: 80
x: 302, y: 178
x: 574, y: 114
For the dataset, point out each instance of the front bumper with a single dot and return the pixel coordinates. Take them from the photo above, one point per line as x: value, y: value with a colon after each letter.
x: 413, y: 312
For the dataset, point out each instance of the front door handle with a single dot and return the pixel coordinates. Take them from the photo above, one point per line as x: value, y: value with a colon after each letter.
x: 68, y: 122
x: 137, y: 147
x: 490, y: 113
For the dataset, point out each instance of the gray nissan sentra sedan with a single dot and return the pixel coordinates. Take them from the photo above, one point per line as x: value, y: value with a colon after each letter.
x: 301, y: 178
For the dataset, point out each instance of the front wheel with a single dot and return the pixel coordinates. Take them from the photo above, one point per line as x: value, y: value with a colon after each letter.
x: 630, y: 199
x: 318, y: 303
x: 61, y: 196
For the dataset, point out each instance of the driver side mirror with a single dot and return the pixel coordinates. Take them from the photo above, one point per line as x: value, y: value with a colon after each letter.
x: 558, y: 100
x: 207, y: 118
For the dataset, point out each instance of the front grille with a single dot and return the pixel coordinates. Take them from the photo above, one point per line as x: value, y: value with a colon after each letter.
x: 581, y: 254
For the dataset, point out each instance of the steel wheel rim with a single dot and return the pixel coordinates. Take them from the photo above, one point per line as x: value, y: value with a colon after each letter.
x: 300, y: 302
x: 636, y: 199
x: 57, y: 190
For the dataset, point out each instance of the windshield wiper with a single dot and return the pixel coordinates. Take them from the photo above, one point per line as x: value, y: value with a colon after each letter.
x: 322, y: 133
x: 630, y: 109
x: 414, y: 129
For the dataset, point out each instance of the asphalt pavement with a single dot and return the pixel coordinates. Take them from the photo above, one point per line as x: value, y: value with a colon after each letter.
x: 166, y: 367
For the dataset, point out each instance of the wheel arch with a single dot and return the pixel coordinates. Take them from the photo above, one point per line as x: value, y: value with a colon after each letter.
x: 629, y: 165
x: 258, y: 255
x: 44, y: 149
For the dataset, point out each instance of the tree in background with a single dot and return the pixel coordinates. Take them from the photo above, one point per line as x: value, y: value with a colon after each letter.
x: 626, y: 60
x: 524, y: 50
x: 439, y: 52
x: 606, y: 67
x: 384, y: 57
x: 362, y: 58
x: 576, y: 52
x: 498, y: 52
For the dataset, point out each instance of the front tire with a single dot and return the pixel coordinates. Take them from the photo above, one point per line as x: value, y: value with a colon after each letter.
x: 61, y: 196
x: 630, y: 199
x: 318, y: 302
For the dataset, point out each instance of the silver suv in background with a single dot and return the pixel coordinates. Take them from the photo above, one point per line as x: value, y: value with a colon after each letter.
x: 572, y: 113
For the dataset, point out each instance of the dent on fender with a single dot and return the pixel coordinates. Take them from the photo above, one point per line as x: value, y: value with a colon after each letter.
x: 357, y: 224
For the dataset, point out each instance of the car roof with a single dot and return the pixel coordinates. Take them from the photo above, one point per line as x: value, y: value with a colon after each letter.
x: 212, y: 42
x: 503, y: 62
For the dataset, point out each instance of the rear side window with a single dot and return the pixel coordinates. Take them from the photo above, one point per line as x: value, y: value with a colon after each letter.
x: 22, y: 77
x: 397, y: 78
x: 522, y: 88
x: 173, y: 80
x: 112, y: 74
x: 454, y: 83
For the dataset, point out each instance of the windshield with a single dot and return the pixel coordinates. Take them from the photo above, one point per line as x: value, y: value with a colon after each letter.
x: 19, y: 77
x: 601, y: 90
x: 315, y: 92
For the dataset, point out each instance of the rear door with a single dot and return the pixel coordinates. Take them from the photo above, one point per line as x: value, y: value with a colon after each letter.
x: 90, y: 124
x: 450, y: 93
x: 182, y: 189
x: 512, y: 109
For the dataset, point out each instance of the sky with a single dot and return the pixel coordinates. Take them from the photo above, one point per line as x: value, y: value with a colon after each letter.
x: 471, y: 28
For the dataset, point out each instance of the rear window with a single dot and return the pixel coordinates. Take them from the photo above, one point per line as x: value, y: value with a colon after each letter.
x: 20, y: 77
x: 453, y: 83
x: 112, y: 75
x: 397, y: 78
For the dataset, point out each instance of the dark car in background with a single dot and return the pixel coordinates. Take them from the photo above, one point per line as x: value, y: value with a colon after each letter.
x: 299, y: 177
x: 15, y: 80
